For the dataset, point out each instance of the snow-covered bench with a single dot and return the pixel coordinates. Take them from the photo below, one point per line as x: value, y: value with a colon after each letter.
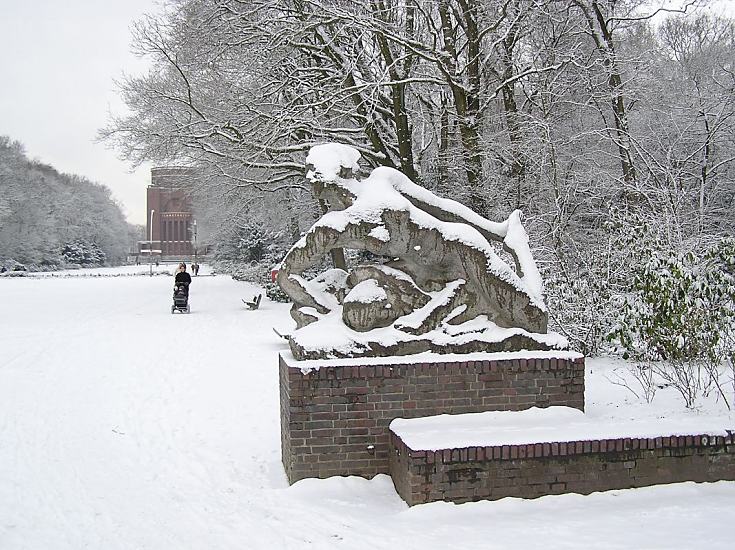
x: 254, y: 303
x: 536, y: 452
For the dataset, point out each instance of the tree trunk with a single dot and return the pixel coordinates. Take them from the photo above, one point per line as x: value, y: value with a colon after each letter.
x: 603, y: 38
x: 466, y: 98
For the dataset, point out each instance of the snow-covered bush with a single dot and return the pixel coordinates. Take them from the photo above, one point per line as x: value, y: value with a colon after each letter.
x: 10, y: 265
x: 579, y: 308
x: 83, y: 253
x: 244, y: 245
x: 587, y: 271
x: 721, y: 260
x: 274, y: 292
x: 678, y: 321
x: 249, y: 254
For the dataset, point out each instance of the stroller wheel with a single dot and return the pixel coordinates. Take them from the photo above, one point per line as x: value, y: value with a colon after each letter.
x: 187, y: 308
x: 173, y: 308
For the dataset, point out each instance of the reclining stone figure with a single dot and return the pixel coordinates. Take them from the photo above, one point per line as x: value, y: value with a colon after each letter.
x: 445, y: 288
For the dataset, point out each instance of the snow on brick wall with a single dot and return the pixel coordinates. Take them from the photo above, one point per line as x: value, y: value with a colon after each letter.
x: 533, y: 470
x: 334, y: 419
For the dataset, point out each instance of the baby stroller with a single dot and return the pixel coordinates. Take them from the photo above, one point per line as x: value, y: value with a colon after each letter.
x: 181, y: 298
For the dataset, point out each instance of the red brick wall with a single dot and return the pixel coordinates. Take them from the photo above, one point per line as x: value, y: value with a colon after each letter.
x: 175, y: 240
x: 528, y: 471
x: 334, y: 421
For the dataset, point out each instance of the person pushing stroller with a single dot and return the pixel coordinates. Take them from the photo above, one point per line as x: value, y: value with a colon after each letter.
x: 181, y: 289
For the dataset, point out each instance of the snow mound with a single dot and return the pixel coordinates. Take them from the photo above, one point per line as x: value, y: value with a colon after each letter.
x: 366, y: 292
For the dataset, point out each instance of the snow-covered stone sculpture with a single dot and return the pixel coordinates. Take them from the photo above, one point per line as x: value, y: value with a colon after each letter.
x: 444, y: 288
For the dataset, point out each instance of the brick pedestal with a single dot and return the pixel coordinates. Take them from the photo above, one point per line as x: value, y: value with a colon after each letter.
x: 335, y: 414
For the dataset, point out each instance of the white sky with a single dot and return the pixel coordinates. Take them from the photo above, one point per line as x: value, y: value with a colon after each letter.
x: 58, y: 62
x: 720, y: 7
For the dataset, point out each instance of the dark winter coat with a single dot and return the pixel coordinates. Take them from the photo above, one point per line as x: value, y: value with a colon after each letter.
x: 182, y: 277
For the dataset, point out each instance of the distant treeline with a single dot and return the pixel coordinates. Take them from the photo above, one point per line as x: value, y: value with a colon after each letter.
x: 50, y: 220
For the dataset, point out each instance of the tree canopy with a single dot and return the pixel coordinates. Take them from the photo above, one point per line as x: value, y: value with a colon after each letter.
x: 49, y: 219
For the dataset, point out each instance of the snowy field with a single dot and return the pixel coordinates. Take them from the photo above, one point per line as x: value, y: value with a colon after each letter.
x: 125, y: 427
x: 122, y: 271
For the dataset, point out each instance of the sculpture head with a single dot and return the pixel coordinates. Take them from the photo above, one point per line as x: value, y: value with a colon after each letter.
x: 329, y: 192
x: 332, y: 169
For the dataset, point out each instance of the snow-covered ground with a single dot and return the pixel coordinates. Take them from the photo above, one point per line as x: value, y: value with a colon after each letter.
x: 125, y: 427
x: 127, y: 270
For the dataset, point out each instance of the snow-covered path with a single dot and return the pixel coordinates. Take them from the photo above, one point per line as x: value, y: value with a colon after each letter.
x: 125, y: 427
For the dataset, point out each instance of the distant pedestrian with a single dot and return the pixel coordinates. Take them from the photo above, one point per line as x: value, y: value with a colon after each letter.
x: 195, y: 269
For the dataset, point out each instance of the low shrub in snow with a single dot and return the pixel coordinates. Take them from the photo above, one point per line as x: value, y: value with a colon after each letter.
x: 580, y: 309
x: 10, y: 266
x: 83, y: 254
x: 678, y: 324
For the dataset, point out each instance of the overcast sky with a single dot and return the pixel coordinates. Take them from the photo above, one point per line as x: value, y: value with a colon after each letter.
x: 57, y: 64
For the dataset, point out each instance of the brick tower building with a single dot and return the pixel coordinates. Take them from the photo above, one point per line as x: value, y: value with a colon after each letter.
x: 170, y: 227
